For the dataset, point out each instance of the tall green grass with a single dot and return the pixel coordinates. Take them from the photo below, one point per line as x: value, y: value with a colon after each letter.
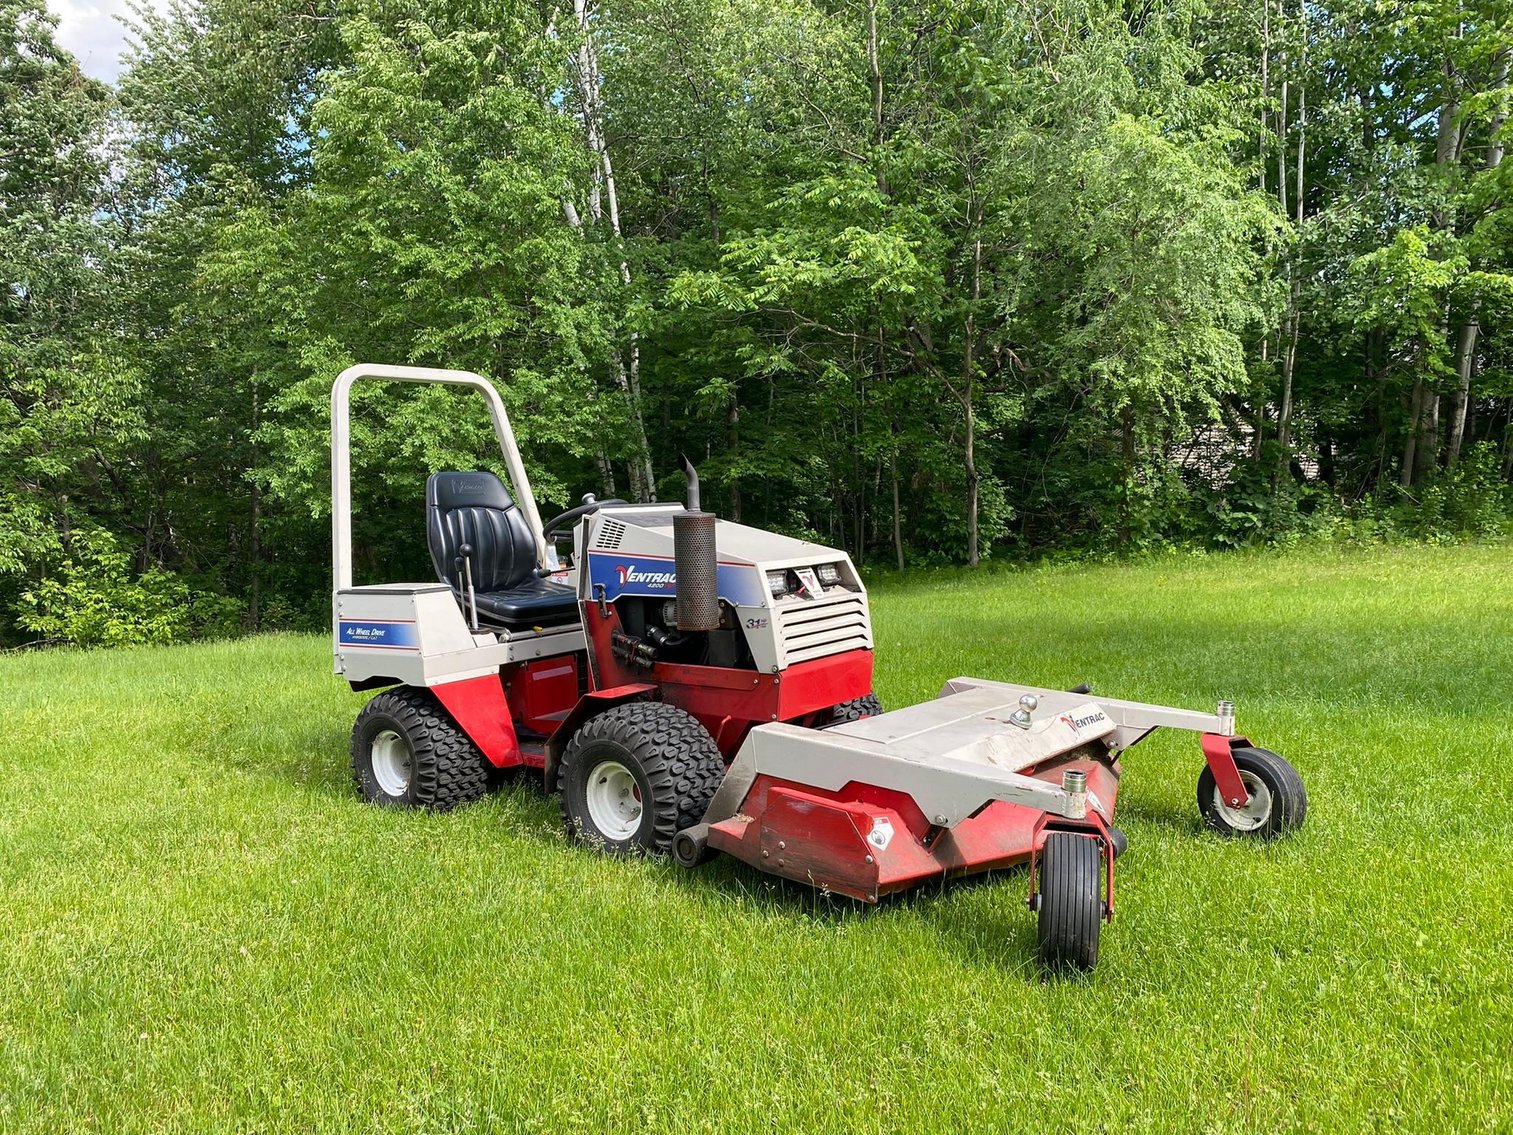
x: 202, y: 929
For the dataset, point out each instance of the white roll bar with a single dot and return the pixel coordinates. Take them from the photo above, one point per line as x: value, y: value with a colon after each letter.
x: 341, y: 455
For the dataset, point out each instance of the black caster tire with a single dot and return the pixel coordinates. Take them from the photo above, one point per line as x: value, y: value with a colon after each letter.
x: 1071, y: 902
x: 1278, y: 801
x: 636, y: 775
x: 407, y: 752
x: 1118, y: 842
x: 690, y: 847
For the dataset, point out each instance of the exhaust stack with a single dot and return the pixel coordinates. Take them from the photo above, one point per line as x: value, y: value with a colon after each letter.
x: 695, y: 561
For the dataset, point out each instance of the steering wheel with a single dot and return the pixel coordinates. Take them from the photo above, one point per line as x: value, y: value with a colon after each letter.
x: 572, y: 514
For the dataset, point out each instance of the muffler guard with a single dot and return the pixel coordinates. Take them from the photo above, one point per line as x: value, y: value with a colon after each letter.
x: 695, y: 560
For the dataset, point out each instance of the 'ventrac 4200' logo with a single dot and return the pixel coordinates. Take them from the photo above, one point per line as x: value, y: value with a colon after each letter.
x: 657, y: 580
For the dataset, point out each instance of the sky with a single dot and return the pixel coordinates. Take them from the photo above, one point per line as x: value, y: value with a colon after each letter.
x: 89, y: 29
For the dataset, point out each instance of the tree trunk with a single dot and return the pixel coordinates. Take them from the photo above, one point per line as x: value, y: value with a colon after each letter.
x: 1289, y: 365
x: 1295, y: 289
x: 875, y: 80
x: 607, y: 475
x: 1265, y: 91
x: 1302, y: 107
x: 968, y: 381
x: 1465, y: 351
x: 1500, y: 116
x: 255, y: 528
x: 898, y: 526
x: 1127, y: 451
x: 627, y: 372
x: 1410, y: 446
x: 1421, y: 451
x: 1447, y: 137
x: 1428, y: 435
x: 1282, y: 139
x: 732, y: 447
x: 1465, y: 359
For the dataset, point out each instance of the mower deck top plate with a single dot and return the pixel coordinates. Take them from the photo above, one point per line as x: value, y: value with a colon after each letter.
x: 976, y: 726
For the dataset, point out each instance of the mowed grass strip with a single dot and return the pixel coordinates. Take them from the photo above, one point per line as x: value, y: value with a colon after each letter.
x: 204, y: 930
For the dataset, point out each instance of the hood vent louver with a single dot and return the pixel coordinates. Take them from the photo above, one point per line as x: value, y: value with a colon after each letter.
x: 610, y: 534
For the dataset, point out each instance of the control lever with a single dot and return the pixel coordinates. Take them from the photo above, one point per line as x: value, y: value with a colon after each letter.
x: 464, y: 564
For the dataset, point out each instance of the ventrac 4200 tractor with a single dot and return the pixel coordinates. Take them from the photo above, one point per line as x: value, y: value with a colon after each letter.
x: 692, y: 686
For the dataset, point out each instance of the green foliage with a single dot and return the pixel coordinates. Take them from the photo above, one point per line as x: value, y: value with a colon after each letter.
x: 1471, y: 500
x: 929, y: 281
x: 94, y: 599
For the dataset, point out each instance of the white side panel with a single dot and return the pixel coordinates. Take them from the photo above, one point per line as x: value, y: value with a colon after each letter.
x: 415, y: 634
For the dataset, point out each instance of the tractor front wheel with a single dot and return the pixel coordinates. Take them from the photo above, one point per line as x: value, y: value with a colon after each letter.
x: 1071, y: 906
x: 408, y: 752
x: 636, y: 775
x: 856, y: 709
x: 1278, y: 802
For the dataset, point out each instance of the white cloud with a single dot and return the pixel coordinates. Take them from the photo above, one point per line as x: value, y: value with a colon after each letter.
x: 90, y: 30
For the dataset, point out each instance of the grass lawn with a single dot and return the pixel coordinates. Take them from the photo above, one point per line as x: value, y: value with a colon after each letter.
x: 204, y: 930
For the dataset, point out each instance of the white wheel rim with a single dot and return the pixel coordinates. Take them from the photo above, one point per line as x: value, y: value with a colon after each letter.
x: 392, y: 766
x: 614, y: 801
x: 1255, y: 811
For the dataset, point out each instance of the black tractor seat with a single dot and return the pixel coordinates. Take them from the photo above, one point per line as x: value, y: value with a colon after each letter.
x: 475, y: 509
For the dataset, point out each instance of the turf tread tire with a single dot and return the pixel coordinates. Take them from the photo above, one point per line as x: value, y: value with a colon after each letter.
x: 447, y: 769
x: 673, y: 758
x: 1071, y: 906
x: 1289, y: 797
x: 856, y: 709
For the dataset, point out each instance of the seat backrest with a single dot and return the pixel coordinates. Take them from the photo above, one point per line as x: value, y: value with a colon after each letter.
x: 476, y: 509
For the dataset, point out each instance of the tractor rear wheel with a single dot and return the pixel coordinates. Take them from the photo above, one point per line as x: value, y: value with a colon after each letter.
x: 1071, y: 906
x: 408, y: 752
x: 636, y: 775
x: 1278, y: 801
x: 856, y: 709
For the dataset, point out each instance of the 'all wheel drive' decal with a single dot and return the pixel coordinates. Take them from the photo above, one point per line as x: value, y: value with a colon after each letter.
x: 382, y: 634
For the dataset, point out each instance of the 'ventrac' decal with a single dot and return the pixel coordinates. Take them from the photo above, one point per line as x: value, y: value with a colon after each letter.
x: 632, y: 576
x: 739, y: 584
x: 1080, y: 723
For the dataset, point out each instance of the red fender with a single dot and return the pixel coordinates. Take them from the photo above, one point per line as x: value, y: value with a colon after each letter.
x: 479, y: 707
x: 590, y: 704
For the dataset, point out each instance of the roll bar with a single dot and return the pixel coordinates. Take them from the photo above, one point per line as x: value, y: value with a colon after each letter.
x: 341, y: 455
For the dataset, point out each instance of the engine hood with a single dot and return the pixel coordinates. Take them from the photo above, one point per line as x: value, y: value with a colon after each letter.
x: 737, y: 543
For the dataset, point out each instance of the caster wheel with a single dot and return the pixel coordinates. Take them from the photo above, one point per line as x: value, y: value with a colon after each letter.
x: 1278, y: 802
x: 1071, y: 903
x: 1118, y: 842
x: 690, y: 847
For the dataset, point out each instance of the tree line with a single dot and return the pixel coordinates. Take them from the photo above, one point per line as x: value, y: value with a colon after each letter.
x: 932, y: 280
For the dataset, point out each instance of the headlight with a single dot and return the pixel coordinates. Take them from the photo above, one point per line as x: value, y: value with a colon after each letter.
x: 829, y: 573
x: 777, y: 582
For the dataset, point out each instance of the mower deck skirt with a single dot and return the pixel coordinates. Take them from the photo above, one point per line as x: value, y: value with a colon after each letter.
x: 967, y: 782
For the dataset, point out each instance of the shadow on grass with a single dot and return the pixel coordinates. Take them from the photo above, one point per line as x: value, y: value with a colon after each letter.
x: 1000, y: 933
